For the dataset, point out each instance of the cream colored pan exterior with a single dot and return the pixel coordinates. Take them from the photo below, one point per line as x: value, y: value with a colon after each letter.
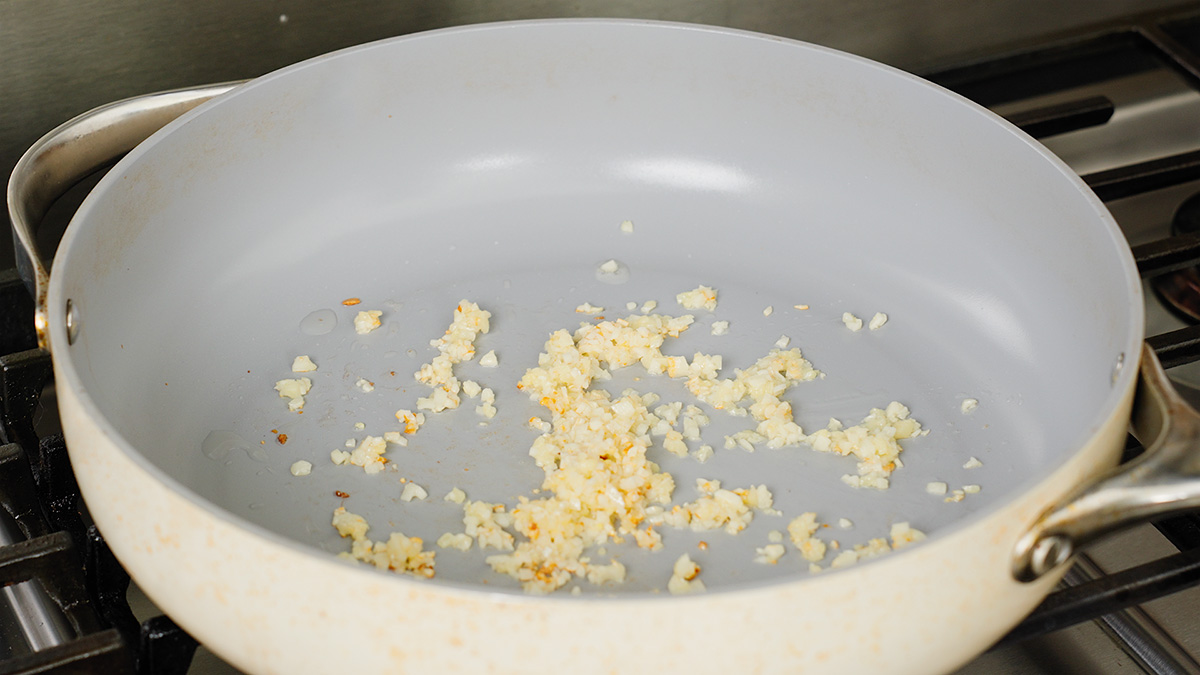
x: 269, y: 607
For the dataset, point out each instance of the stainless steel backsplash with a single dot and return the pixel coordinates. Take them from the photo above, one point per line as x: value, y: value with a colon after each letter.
x: 61, y: 57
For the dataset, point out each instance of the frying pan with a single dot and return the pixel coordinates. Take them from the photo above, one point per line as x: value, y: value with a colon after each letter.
x: 495, y: 163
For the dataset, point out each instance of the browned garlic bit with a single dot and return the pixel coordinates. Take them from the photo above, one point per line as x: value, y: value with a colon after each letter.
x: 684, y: 577
x: 412, y: 421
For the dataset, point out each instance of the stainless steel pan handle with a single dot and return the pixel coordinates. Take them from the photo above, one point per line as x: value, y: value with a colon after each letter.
x: 1163, y: 480
x: 72, y: 152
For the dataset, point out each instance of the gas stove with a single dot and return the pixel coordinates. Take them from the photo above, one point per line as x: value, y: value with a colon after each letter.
x: 1120, y: 105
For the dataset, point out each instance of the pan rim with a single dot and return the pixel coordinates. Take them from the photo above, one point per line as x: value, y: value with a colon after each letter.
x: 1124, y: 380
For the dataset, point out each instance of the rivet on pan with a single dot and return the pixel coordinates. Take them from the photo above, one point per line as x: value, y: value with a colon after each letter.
x: 1118, y: 366
x: 1050, y: 553
x: 72, y: 322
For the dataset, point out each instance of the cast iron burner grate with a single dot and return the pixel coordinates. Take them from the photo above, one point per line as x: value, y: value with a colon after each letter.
x: 55, y: 559
x: 62, y: 606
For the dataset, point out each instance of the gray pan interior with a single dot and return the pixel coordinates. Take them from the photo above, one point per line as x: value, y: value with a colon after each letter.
x: 495, y: 164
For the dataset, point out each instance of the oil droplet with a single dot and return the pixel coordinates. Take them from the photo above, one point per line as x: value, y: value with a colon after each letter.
x: 319, y: 322
x: 218, y: 444
x: 612, y: 272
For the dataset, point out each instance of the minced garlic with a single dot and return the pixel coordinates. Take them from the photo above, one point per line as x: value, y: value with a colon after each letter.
x: 395, y: 437
x: 412, y: 421
x: 801, y: 530
x: 367, y: 321
x: 303, y: 364
x: 599, y: 485
x: 294, y: 390
x: 769, y: 554
x: 398, y: 553
x: 486, y: 522
x: 459, y: 541
x: 717, y: 508
x: 456, y: 346
x: 873, y: 442
x: 486, y: 407
x: 471, y: 388
x: 684, y: 577
x: 369, y: 454
x: 701, y: 297
x: 413, y: 491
